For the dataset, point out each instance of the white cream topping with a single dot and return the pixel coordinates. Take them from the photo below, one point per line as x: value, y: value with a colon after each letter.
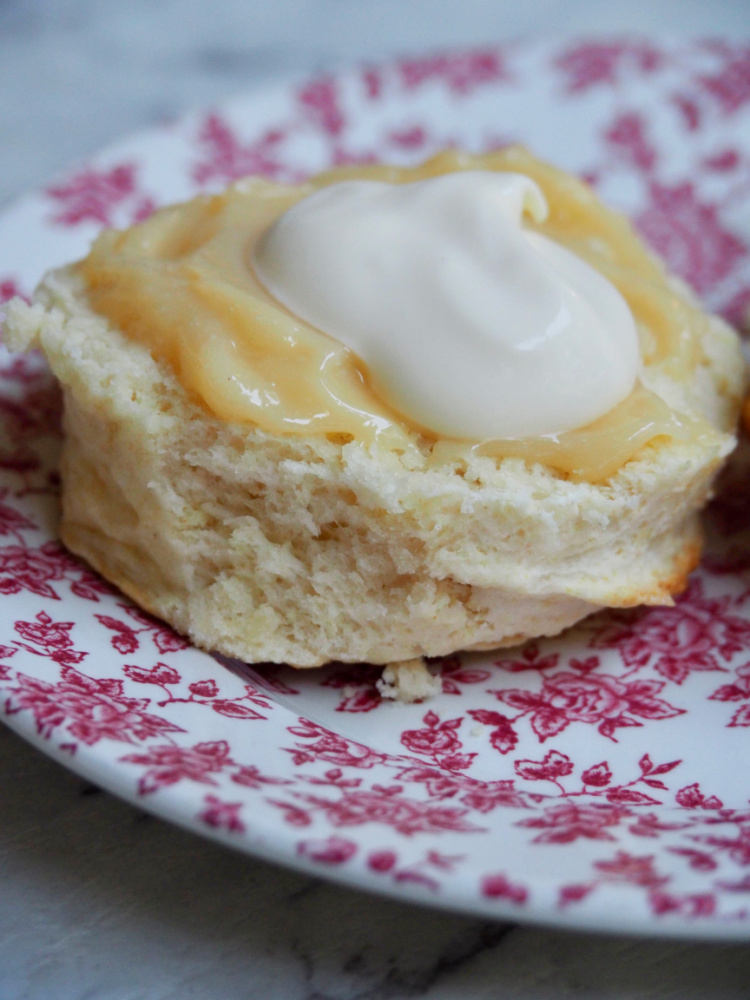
x: 469, y: 324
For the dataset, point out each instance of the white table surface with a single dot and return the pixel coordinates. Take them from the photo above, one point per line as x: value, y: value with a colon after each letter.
x: 101, y: 902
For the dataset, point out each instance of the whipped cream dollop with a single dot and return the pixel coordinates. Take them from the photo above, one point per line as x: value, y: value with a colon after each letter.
x: 470, y: 324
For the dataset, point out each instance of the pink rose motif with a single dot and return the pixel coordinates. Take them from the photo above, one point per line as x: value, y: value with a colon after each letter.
x: 439, y: 784
x: 691, y: 797
x: 331, y: 747
x: 684, y: 638
x: 364, y: 700
x: 222, y: 815
x: 346, y: 753
x: 250, y: 776
x: 168, y: 641
x: 23, y: 568
x: 168, y: 764
x: 39, y: 696
x: 635, y: 869
x: 462, y: 72
x: 574, y: 894
x: 555, y: 765
x: 331, y: 851
x: 628, y: 138
x: 437, y: 738
x: 408, y: 138
x: 688, y: 234
x: 724, y: 162
x: 484, y: 796
x: 564, y: 823
x: 94, y: 195
x: 124, y: 640
x: 737, y: 848
x: 652, y: 825
x: 587, y: 699
x: 680, y: 629
x: 204, y: 689
x: 737, y: 691
x: 382, y: 861
x: 503, y: 736
x: 590, y: 64
x: 500, y: 887
x: 386, y: 806
x: 320, y: 100
x: 358, y: 684
x: 9, y: 289
x: 159, y: 674
x: 730, y: 87
x: 592, y: 698
x: 698, y: 860
x: 598, y: 776
x: 90, y: 708
x: 227, y: 158
x: 45, y: 632
x: 696, y: 905
x: 52, y: 639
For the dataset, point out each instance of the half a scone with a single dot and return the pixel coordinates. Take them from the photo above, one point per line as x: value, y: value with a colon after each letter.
x: 269, y: 529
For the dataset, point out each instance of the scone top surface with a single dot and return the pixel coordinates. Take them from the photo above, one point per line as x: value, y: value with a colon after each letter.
x: 183, y: 283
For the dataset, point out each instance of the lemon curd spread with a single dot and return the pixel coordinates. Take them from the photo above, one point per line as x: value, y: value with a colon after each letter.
x: 468, y: 322
x: 213, y: 288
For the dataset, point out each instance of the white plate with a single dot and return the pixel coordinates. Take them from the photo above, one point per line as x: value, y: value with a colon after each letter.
x: 598, y: 780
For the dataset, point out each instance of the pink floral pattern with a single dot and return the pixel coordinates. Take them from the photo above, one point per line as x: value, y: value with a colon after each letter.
x: 9, y: 289
x: 578, y: 754
x: 320, y: 103
x: 595, y: 698
x: 222, y: 815
x: 461, y: 73
x: 729, y: 87
x: 101, y: 197
x: 697, y: 634
x: 125, y: 639
x: 585, y: 65
x: 687, y: 233
x: 88, y: 709
x: 225, y: 158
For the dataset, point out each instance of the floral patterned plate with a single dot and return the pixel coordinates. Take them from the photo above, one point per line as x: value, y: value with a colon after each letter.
x: 600, y: 779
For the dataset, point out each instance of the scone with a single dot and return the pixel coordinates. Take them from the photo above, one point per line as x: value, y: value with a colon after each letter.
x: 309, y: 546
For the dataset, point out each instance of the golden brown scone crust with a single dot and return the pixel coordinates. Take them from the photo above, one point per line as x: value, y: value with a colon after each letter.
x: 303, y: 550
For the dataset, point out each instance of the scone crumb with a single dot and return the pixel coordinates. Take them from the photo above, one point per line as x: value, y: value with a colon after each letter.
x: 408, y: 681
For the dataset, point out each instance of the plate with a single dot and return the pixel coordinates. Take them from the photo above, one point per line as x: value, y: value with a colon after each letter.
x: 600, y: 779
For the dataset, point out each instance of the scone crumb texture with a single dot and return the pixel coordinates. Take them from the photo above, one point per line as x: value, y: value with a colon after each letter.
x: 408, y: 681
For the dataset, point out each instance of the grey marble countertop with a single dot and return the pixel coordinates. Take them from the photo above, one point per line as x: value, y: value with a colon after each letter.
x: 100, y: 901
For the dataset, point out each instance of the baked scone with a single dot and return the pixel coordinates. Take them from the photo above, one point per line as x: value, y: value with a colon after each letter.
x: 305, y: 548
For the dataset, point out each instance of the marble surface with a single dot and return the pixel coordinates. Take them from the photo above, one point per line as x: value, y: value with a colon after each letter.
x: 102, y: 902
